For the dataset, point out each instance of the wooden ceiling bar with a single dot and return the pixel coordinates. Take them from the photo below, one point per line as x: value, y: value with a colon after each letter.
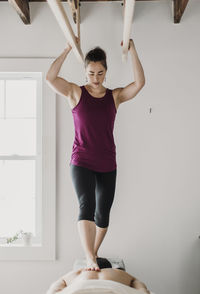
x: 22, y: 8
x: 75, y: 10
x: 78, y: 21
x: 179, y: 8
x: 73, y: 6
x: 83, y: 0
x: 129, y: 6
x: 65, y: 26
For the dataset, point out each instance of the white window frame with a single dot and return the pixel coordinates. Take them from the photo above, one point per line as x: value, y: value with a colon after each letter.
x: 46, y: 203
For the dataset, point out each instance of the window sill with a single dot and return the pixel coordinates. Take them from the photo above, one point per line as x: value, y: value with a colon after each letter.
x: 20, y: 245
x: 22, y: 252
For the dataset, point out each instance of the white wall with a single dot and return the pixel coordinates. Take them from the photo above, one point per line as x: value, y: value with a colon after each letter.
x: 155, y: 220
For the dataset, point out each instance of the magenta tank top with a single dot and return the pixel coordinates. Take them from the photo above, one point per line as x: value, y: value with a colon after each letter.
x: 94, y: 145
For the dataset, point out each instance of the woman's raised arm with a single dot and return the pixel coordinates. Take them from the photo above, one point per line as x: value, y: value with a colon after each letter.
x: 58, y: 84
x: 131, y: 90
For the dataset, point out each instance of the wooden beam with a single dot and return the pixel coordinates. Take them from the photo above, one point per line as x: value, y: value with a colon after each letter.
x: 84, y: 0
x: 75, y: 9
x: 78, y: 20
x: 65, y: 26
x: 22, y: 8
x: 73, y: 6
x: 179, y: 8
x: 129, y: 6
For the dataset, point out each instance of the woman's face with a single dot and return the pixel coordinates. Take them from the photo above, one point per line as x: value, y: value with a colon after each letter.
x: 95, y: 73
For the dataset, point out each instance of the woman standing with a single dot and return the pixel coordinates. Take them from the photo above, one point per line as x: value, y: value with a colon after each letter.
x: 93, y: 164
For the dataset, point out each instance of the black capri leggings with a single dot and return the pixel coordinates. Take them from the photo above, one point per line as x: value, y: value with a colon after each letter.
x: 95, y: 192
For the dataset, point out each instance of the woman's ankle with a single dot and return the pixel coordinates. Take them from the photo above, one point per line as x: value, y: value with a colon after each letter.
x: 91, y: 256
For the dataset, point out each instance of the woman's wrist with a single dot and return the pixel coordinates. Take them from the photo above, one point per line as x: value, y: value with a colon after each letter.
x: 67, y: 50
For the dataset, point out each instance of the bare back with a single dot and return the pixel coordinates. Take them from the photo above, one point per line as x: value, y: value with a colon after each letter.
x: 105, y: 274
x: 111, y: 274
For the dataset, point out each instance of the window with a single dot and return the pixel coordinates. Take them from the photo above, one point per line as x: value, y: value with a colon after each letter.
x: 27, y: 160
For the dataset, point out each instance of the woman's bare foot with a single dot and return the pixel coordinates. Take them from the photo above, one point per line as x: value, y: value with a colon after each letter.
x: 92, y: 264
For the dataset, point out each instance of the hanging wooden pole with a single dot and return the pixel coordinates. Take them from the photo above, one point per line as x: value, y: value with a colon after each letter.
x: 75, y: 10
x: 129, y: 6
x: 78, y: 18
x: 65, y: 26
x: 179, y: 8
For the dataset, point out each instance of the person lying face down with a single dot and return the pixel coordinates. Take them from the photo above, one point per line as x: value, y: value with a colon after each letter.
x: 105, y: 273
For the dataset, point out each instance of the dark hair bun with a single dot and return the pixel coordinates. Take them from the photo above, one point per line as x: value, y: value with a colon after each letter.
x: 96, y: 54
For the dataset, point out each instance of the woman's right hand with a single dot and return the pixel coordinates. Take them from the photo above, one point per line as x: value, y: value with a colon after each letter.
x: 69, y: 47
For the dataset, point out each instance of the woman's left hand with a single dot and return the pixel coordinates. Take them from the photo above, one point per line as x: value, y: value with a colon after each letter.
x: 131, y: 44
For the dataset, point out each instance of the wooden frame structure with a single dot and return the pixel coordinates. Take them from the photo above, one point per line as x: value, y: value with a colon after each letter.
x: 22, y: 8
x: 62, y: 19
x: 179, y: 8
x: 75, y: 10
